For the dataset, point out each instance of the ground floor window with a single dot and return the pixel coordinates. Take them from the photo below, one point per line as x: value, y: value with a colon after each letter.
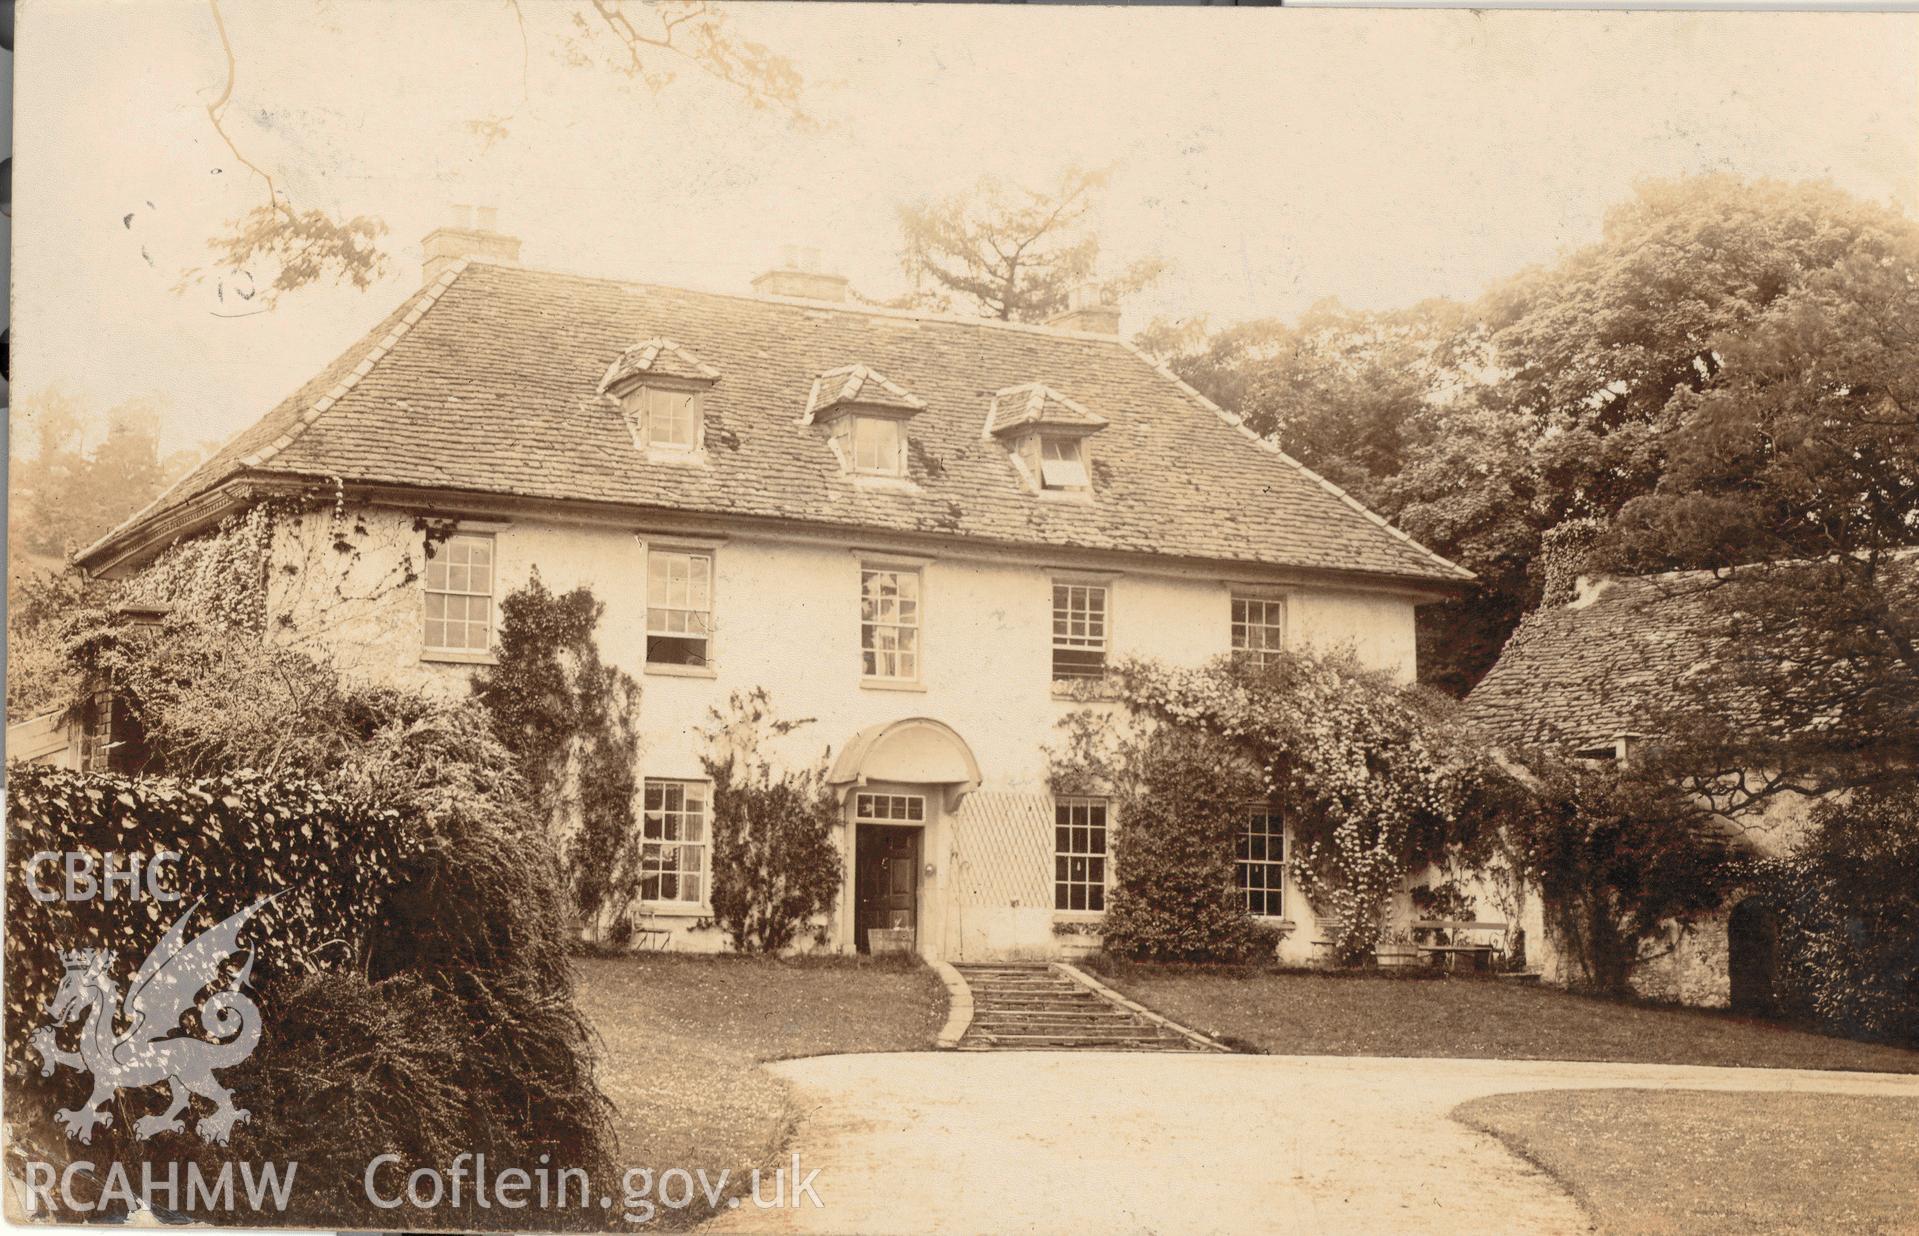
x: 1079, y: 854
x: 1259, y: 862
x: 674, y: 842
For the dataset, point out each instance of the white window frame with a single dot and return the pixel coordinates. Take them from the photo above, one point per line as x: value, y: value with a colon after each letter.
x: 885, y: 462
x: 1095, y: 848
x: 658, y: 620
x: 655, y: 850
x: 1085, y: 640
x: 440, y: 556
x: 1241, y: 628
x: 1273, y: 870
x: 1071, y: 472
x: 672, y: 406
x: 885, y: 807
x: 916, y: 627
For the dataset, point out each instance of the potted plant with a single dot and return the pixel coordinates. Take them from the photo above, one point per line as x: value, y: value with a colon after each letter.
x: 1395, y: 948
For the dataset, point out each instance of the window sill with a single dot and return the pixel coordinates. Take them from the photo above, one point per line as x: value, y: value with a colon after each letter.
x: 680, y: 671
x: 1084, y: 690
x: 1079, y: 916
x: 672, y: 909
x: 449, y: 657
x: 682, y: 459
x: 888, y: 684
x: 1277, y: 924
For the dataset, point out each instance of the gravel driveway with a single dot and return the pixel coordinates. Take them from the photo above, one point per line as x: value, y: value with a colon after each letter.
x: 1083, y: 1141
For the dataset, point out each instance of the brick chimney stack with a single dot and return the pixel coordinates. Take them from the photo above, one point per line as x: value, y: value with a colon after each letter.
x: 799, y: 275
x: 473, y: 234
x: 1088, y: 309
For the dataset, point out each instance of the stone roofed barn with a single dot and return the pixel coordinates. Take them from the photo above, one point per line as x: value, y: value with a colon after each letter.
x: 909, y: 527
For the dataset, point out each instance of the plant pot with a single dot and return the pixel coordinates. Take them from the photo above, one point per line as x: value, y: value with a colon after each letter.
x: 1394, y: 955
x: 881, y: 941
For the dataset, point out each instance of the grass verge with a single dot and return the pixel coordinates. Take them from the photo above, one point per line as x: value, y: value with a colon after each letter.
x: 1475, y: 1018
x: 1703, y: 1163
x: 684, y: 1038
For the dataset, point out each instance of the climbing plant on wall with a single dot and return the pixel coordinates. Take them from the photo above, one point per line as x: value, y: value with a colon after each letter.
x: 1373, y: 777
x: 570, y: 719
x: 775, y: 864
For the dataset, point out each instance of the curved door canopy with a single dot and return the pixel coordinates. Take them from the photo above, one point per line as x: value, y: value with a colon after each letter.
x: 917, y: 750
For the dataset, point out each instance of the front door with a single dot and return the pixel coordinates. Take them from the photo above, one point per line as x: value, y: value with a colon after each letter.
x: 886, y: 879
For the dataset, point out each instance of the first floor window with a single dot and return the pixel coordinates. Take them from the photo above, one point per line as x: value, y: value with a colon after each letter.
x: 1259, y: 629
x: 459, y: 593
x: 890, y: 624
x: 1079, y: 854
x: 1259, y: 862
x: 1079, y: 631
x: 679, y: 607
x: 673, y: 835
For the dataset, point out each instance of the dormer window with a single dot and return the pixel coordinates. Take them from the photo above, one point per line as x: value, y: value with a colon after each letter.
x: 879, y: 446
x: 1062, y: 464
x: 865, y: 416
x: 669, y: 419
x: 1047, y: 436
x: 660, y: 387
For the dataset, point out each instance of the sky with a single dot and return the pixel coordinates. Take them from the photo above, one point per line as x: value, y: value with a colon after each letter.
x: 1273, y: 157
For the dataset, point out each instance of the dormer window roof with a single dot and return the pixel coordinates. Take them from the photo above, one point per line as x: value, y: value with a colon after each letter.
x: 659, y: 385
x: 657, y: 362
x: 1034, y: 407
x: 855, y: 388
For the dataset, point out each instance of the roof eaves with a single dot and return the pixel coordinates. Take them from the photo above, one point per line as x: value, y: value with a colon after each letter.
x: 1458, y: 572
x: 427, y: 298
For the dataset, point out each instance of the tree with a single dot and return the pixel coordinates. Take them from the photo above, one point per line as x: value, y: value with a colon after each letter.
x: 280, y: 246
x: 1010, y: 252
x: 1795, y: 477
x: 1553, y: 397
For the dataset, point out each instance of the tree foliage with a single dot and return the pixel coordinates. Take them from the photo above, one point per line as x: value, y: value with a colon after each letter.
x: 570, y: 721
x: 775, y: 863
x: 1849, y: 916
x: 1011, y: 252
x: 1566, y: 392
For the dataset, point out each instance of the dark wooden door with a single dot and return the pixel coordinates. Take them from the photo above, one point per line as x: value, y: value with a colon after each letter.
x: 886, y: 879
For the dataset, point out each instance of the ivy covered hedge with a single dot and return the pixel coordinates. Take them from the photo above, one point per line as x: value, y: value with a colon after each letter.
x: 414, y: 975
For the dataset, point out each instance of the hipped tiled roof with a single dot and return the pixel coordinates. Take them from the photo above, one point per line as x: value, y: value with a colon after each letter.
x: 1037, y: 404
x: 488, y: 381
x: 856, y: 386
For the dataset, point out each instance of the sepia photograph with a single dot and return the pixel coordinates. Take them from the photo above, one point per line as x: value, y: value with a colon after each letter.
x: 962, y: 618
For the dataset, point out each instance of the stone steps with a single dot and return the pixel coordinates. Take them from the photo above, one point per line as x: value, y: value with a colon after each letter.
x: 1033, y: 1007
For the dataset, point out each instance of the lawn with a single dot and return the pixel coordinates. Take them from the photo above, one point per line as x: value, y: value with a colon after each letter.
x: 684, y: 1038
x: 1336, y: 1015
x: 1696, y: 1162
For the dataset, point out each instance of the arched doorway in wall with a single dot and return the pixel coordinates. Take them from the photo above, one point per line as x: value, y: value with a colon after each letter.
x: 1752, y: 956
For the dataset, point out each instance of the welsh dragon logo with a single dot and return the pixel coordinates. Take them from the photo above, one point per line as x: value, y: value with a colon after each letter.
x: 164, y: 987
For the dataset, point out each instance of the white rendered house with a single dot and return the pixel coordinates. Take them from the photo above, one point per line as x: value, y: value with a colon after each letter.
x: 916, y: 530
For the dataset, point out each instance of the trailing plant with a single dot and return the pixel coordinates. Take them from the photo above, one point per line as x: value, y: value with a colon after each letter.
x: 1848, y: 908
x: 1374, y: 777
x: 775, y: 862
x: 570, y: 720
x: 1620, y: 855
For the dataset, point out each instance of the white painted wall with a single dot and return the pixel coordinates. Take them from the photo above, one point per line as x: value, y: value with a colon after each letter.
x: 786, y: 615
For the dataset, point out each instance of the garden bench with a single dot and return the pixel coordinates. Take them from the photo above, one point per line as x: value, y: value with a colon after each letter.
x: 1456, y: 938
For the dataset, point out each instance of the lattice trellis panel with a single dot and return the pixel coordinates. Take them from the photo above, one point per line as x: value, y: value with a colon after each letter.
x: 1003, y: 848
